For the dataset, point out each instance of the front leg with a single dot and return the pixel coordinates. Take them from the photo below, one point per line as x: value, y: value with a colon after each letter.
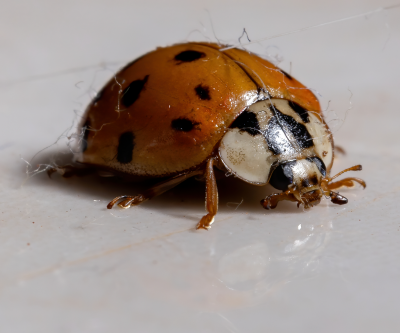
x: 211, y: 197
x: 272, y: 200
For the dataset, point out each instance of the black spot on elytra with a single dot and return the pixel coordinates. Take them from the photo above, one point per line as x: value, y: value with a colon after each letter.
x: 302, y: 112
x: 189, y: 56
x: 203, y: 92
x: 247, y: 121
x: 125, y: 147
x: 85, y: 129
x: 287, y: 75
x: 319, y: 163
x: 279, y: 128
x: 182, y: 124
x: 282, y: 176
x: 132, y: 92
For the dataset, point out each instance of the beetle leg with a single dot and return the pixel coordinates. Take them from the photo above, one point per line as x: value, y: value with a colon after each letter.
x: 129, y: 200
x: 347, y: 182
x: 211, y: 197
x: 272, y: 200
x: 338, y: 199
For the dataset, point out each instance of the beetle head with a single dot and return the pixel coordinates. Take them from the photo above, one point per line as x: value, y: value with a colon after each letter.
x: 300, y: 180
x: 305, y: 182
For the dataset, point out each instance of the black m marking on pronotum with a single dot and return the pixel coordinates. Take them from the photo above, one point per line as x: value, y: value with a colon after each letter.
x: 125, y: 147
x: 279, y: 127
x: 302, y: 112
x: 247, y: 121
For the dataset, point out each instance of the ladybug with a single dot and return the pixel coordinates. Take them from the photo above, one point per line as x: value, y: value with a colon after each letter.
x: 183, y: 110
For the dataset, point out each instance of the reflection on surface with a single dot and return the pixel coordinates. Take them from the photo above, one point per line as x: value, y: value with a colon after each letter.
x: 246, y: 264
x: 259, y: 268
x: 231, y: 268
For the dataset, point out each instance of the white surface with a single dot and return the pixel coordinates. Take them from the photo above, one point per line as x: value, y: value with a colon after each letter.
x: 82, y: 268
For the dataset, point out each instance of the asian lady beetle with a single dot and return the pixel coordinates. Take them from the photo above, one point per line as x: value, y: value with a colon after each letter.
x: 182, y: 110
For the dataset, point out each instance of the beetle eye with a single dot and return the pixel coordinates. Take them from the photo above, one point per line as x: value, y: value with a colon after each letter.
x: 282, y: 176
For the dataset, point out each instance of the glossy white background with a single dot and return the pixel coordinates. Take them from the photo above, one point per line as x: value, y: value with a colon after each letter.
x: 70, y: 265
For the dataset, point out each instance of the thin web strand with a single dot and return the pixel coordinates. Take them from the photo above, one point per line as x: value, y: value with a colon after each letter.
x: 380, y: 9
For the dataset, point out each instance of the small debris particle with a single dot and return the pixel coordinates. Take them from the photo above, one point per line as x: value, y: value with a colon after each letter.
x: 28, y: 244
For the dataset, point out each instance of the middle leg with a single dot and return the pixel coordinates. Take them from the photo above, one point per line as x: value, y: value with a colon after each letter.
x: 211, y: 197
